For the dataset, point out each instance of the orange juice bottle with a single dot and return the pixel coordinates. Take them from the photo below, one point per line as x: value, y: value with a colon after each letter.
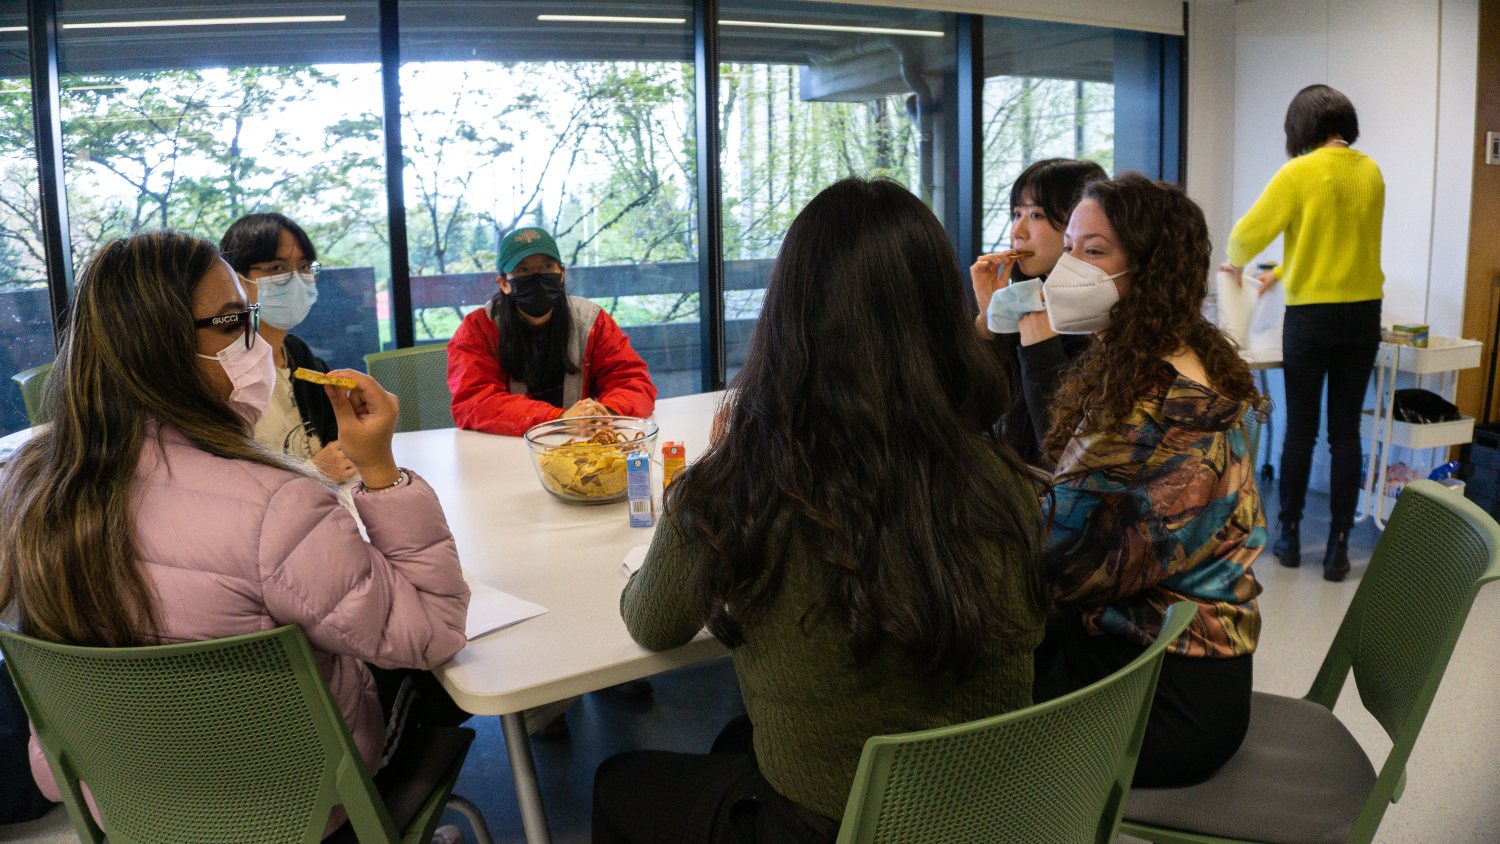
x: 673, y: 458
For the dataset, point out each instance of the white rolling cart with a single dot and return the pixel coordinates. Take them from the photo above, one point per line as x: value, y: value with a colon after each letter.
x: 1436, y: 368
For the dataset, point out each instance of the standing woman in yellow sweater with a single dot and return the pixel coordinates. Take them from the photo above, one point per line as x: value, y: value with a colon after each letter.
x: 1328, y: 202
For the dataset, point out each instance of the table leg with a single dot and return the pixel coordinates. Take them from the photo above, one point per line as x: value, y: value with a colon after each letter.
x: 523, y: 771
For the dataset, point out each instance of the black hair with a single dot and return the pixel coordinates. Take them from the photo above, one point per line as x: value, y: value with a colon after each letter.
x: 1055, y: 185
x: 859, y: 429
x: 1316, y: 114
x: 536, y: 364
x: 253, y: 238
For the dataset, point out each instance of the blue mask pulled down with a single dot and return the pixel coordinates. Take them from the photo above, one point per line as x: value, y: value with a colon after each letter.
x: 1012, y: 302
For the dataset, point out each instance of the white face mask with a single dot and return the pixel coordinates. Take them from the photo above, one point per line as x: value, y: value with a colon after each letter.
x: 1079, y: 296
x: 252, y: 371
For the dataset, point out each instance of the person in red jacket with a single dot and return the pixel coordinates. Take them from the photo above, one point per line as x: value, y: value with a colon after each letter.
x: 534, y: 353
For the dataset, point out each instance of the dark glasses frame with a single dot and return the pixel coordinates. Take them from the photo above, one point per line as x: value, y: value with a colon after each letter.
x: 248, y: 318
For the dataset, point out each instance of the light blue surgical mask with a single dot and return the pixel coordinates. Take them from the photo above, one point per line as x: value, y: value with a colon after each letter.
x: 285, y: 299
x: 1012, y: 302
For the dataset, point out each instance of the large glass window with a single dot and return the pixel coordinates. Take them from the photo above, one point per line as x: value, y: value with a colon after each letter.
x: 25, y: 312
x: 810, y: 93
x: 1049, y: 92
x: 172, y: 120
x: 581, y: 124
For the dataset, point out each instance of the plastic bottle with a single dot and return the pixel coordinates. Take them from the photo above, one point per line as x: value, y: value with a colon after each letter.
x: 1447, y: 470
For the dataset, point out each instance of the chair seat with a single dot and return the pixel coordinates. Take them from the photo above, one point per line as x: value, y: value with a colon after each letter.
x: 1298, y: 778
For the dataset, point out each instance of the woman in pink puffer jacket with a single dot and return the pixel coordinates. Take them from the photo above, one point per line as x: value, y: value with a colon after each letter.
x: 182, y: 526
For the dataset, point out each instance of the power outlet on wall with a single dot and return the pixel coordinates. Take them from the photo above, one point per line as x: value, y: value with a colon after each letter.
x: 1492, y: 147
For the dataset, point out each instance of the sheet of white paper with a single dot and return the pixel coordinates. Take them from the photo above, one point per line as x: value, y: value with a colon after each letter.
x: 1235, y: 304
x: 1265, y: 319
x: 491, y: 609
x: 635, y: 558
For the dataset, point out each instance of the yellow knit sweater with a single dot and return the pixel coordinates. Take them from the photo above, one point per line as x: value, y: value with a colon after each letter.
x: 1329, y: 204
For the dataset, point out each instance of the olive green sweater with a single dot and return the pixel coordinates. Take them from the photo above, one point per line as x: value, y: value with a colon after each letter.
x: 811, y: 709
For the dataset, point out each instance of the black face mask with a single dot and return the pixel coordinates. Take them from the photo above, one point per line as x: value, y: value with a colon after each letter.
x: 536, y: 294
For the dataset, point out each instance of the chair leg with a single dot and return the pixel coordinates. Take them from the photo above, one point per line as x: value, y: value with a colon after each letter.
x: 471, y: 813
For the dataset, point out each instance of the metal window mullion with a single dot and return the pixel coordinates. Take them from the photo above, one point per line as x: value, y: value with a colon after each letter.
x: 710, y: 199
x: 970, y: 108
x: 395, y: 192
x: 42, y: 29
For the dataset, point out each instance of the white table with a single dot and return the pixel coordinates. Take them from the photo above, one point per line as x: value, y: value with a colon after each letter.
x: 10, y: 442
x: 513, y: 535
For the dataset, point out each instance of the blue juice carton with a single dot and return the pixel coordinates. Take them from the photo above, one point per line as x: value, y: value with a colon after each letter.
x: 638, y: 490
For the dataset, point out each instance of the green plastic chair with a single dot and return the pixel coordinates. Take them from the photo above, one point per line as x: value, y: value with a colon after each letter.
x: 419, y: 378
x: 1057, y: 771
x: 1300, y: 776
x: 33, y: 383
x: 234, y: 739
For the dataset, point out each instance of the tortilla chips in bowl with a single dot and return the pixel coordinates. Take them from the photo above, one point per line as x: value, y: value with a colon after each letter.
x: 582, y: 460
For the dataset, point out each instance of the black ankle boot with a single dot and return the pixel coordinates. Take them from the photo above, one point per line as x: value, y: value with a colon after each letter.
x: 1336, y: 560
x: 1288, y: 547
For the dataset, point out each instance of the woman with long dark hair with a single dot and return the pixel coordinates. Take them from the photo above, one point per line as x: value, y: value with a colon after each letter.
x: 1154, y: 488
x: 856, y: 534
x: 147, y: 514
x: 1327, y: 202
x: 1006, y: 285
x: 534, y: 353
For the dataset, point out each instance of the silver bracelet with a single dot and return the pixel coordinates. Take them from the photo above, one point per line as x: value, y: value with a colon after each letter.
x: 401, y: 480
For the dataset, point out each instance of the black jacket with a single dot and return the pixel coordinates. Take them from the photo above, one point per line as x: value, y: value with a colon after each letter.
x: 311, y: 401
x: 1034, y: 373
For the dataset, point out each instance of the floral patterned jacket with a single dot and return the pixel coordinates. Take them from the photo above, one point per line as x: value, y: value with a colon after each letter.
x: 1161, y: 508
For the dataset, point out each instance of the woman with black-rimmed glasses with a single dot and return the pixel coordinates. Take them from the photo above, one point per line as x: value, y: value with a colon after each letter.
x: 279, y: 269
x: 145, y: 513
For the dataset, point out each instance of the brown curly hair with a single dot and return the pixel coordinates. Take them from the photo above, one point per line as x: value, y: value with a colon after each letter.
x: 1164, y: 235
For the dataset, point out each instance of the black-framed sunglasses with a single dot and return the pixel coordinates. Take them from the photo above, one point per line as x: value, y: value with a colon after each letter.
x: 248, y: 319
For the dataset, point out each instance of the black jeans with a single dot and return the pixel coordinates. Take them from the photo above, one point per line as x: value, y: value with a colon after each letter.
x: 658, y: 797
x: 1198, y: 717
x: 1336, y: 341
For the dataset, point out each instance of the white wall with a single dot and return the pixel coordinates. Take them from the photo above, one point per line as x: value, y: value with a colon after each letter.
x: 1408, y: 66
x: 1210, y: 114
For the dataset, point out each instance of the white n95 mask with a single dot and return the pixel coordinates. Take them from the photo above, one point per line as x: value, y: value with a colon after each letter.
x: 1012, y: 302
x: 1079, y: 296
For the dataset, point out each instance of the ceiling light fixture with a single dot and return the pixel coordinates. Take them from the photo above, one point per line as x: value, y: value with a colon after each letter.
x: 608, y: 19
x: 813, y: 27
x: 206, y: 22
x: 828, y: 27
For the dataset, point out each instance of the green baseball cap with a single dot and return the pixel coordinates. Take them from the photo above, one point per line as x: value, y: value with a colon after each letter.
x: 522, y: 244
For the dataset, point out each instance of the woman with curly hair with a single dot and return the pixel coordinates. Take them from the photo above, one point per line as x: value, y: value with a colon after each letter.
x: 1154, y: 488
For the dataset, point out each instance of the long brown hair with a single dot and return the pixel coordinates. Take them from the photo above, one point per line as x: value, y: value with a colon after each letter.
x: 68, y: 556
x: 1164, y: 235
x: 861, y: 425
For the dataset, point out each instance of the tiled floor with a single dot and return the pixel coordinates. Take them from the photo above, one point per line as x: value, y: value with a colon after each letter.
x: 1452, y: 794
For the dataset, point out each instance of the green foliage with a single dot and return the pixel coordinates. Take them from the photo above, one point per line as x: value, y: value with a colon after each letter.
x: 1027, y: 119
x: 602, y: 153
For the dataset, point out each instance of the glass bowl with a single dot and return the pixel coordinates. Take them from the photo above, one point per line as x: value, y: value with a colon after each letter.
x: 582, y: 460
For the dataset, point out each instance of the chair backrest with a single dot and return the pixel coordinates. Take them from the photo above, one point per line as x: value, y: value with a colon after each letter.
x: 233, y: 739
x: 419, y: 378
x: 1437, y: 551
x: 1056, y: 771
x: 33, y: 384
